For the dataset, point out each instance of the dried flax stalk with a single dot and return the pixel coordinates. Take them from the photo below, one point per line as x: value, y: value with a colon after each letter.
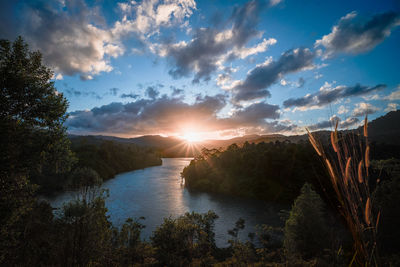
x: 368, y: 211
x: 347, y: 172
x: 367, y: 157
x: 360, y: 177
x: 314, y: 143
x: 366, y: 127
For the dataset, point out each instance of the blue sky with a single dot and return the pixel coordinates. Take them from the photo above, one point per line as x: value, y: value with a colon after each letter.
x: 216, y: 69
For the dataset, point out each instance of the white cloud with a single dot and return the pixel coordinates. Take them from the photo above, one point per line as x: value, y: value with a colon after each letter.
x: 363, y: 109
x: 342, y: 110
x: 259, y: 48
x: 391, y: 107
x: 275, y: 2
x: 394, y: 95
x: 149, y: 16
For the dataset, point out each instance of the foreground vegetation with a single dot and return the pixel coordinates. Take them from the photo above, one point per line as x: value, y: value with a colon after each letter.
x: 35, y: 154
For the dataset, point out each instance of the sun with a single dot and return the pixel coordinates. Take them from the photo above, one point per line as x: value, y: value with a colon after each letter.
x: 191, y: 137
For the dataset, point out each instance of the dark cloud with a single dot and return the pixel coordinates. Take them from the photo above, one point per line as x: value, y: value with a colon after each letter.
x: 354, y: 35
x: 152, y: 92
x: 261, y: 77
x: 130, y: 95
x: 168, y: 115
x: 176, y: 91
x: 208, y: 45
x: 327, y: 95
x: 145, y: 116
x: 79, y: 93
x: 114, y: 91
x: 349, y: 122
x: 300, y: 82
x: 256, y: 113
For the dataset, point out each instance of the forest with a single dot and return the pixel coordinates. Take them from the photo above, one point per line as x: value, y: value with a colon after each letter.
x: 37, y: 156
x: 266, y: 171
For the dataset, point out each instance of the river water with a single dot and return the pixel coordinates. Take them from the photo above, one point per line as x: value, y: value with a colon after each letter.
x: 157, y: 192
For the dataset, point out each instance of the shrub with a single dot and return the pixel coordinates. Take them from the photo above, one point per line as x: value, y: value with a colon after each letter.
x: 305, y: 230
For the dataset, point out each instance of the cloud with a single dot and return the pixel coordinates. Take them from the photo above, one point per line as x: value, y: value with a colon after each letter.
x: 130, y: 95
x: 210, y: 47
x: 274, y: 2
x: 78, y: 93
x: 152, y: 92
x: 257, y: 112
x: 264, y: 75
x: 114, y: 91
x: 343, y: 110
x: 349, y: 122
x: 354, y: 35
x: 59, y: 76
x: 300, y: 83
x: 327, y: 95
x: 169, y: 115
x: 176, y: 91
x: 244, y: 52
x: 145, y: 116
x: 363, y: 109
x: 391, y: 107
x: 74, y: 38
x: 67, y: 34
x: 147, y: 17
x: 394, y: 95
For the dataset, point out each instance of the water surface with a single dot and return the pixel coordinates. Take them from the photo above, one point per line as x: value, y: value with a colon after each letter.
x: 157, y: 192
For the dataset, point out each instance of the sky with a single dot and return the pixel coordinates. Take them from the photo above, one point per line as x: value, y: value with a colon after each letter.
x: 214, y: 69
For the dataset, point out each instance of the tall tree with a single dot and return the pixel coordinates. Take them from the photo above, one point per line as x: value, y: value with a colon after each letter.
x: 33, y: 142
x: 32, y: 113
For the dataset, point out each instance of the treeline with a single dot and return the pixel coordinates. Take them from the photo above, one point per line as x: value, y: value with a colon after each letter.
x: 109, y: 158
x: 267, y: 171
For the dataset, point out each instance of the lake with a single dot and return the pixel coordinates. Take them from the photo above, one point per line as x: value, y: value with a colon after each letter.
x: 157, y: 192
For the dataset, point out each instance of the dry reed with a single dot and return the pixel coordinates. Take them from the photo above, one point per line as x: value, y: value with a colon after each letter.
x: 351, y: 185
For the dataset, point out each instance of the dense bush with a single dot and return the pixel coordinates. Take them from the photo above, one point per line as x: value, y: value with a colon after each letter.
x: 269, y: 171
x: 306, y: 228
x: 108, y: 158
x: 179, y: 242
x: 386, y: 199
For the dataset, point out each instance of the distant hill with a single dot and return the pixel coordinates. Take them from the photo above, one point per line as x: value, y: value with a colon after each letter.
x: 385, y: 129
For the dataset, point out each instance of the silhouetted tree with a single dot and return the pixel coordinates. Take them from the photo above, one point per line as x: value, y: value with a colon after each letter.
x: 305, y: 230
x: 33, y: 143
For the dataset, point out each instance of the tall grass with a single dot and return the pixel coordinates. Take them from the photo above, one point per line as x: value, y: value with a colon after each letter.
x: 348, y: 166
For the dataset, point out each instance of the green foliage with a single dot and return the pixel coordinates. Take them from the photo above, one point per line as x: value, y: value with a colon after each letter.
x: 32, y: 112
x: 127, y: 243
x: 16, y: 204
x: 268, y: 171
x: 108, y: 158
x: 190, y: 237
x: 305, y: 230
x: 33, y: 143
x: 386, y: 199
x: 86, y: 233
x: 242, y: 252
